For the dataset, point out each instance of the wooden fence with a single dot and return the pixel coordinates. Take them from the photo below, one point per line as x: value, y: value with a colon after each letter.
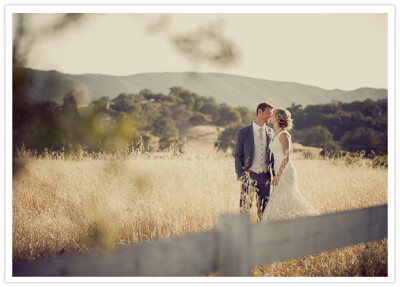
x: 233, y: 248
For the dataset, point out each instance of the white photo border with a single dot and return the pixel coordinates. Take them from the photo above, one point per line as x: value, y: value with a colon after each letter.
x: 163, y: 8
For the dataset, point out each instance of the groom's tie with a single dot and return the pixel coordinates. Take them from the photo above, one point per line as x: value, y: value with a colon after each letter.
x: 261, y: 133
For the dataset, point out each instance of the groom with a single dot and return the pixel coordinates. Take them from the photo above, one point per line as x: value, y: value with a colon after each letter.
x: 253, y: 160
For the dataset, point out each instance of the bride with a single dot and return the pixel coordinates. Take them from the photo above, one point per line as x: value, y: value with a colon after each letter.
x: 285, y: 202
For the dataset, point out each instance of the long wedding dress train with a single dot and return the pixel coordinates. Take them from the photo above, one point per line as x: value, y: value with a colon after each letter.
x: 285, y: 202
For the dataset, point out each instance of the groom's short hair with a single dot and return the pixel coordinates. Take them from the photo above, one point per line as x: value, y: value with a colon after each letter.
x: 263, y: 106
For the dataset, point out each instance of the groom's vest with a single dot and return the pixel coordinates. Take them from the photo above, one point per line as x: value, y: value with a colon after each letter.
x: 260, y: 154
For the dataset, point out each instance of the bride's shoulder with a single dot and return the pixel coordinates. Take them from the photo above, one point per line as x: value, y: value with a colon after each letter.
x: 285, y: 134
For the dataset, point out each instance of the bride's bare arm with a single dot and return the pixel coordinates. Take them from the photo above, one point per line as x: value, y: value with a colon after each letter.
x: 284, y: 139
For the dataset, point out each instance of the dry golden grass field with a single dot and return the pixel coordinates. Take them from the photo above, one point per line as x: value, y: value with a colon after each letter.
x: 74, y: 205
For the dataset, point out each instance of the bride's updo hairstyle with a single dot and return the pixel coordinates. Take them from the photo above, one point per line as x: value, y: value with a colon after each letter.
x: 284, y: 118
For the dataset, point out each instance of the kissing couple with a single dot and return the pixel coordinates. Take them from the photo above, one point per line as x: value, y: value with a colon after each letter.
x: 264, y: 168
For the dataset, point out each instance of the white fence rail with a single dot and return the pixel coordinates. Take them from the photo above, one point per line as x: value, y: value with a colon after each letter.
x: 232, y: 249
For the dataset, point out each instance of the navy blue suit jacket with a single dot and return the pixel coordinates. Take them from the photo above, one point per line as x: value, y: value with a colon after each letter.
x: 244, y: 150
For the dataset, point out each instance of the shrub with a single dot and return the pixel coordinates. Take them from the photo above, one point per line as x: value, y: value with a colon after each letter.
x: 308, y: 155
x: 380, y: 161
x: 318, y: 136
x: 198, y: 119
x: 331, y: 150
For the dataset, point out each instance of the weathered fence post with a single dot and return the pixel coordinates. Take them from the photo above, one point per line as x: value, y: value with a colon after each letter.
x: 233, y: 231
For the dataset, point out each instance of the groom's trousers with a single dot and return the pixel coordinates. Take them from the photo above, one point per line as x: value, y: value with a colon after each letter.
x: 254, y: 183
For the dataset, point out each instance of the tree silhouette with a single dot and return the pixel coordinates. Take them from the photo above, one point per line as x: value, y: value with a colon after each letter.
x: 366, y: 139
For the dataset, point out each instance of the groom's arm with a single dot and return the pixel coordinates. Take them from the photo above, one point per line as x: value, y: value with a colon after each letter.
x: 239, y: 156
x: 272, y: 164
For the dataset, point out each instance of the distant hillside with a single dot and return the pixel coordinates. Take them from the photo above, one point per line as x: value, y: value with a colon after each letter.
x: 230, y: 89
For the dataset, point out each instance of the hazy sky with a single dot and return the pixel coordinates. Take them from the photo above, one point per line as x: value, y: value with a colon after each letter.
x: 344, y: 51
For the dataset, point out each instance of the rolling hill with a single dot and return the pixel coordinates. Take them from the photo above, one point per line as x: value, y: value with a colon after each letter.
x: 233, y: 90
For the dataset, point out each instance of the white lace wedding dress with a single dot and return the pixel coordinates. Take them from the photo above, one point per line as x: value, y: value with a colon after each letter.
x: 286, y: 202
